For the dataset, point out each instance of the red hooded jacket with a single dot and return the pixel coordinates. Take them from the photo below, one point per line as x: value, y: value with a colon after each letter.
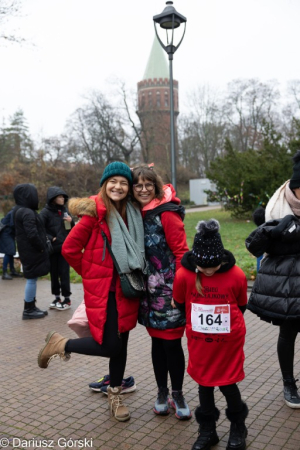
x: 83, y: 250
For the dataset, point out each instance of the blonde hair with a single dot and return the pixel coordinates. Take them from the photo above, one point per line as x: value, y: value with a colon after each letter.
x: 198, y: 283
x: 198, y: 280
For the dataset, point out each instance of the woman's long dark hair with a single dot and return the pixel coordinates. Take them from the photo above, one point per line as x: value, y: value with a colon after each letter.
x: 110, y: 205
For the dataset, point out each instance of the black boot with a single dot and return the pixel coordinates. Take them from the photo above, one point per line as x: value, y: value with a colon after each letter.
x: 6, y: 276
x: 31, y: 312
x: 207, y: 429
x: 40, y: 310
x: 238, y: 430
x: 15, y: 274
x: 290, y: 392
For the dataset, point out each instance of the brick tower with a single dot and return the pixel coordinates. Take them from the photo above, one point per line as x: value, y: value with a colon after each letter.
x: 154, y: 111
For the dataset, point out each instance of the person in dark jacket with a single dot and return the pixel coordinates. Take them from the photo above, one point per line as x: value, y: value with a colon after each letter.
x: 58, y: 224
x: 31, y: 242
x: 8, y: 246
x: 284, y: 202
x: 276, y: 290
x: 165, y: 244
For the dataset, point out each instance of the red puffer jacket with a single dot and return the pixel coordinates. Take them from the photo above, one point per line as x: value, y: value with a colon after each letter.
x: 96, y: 274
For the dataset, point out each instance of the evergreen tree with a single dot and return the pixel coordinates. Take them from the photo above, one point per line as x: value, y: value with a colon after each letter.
x: 248, y: 179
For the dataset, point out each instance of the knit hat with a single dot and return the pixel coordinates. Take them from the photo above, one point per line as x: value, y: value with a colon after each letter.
x: 295, y: 179
x: 208, y: 249
x: 116, y: 168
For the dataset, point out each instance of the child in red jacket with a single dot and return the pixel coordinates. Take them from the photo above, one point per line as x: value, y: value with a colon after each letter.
x: 214, y: 291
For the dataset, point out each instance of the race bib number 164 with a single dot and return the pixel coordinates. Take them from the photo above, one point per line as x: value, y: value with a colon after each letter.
x: 210, y: 318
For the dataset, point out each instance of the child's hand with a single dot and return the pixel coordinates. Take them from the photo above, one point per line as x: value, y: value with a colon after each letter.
x: 173, y: 303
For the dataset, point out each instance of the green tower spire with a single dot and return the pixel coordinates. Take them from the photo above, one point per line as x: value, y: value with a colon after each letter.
x: 157, y: 66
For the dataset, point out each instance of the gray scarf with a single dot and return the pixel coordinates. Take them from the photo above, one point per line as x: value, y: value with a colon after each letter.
x: 128, y: 245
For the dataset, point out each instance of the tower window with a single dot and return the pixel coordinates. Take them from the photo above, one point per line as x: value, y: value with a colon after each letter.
x: 158, y: 99
x: 150, y: 99
x: 166, y: 99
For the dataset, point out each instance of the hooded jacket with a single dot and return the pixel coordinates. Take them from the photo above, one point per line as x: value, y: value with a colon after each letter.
x: 275, y: 295
x: 85, y: 251
x: 7, y: 235
x: 216, y: 357
x: 52, y: 217
x: 165, y: 244
x: 30, y: 232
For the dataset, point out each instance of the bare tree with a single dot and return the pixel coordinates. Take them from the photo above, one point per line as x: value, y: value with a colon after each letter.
x: 202, y: 132
x: 294, y: 91
x: 248, y: 104
x: 101, y: 132
x: 8, y: 10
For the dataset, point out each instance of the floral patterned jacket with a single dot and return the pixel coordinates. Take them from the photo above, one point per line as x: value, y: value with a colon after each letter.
x: 165, y: 244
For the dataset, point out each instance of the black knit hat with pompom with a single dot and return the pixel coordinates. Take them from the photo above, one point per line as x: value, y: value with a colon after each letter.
x: 208, y: 249
x: 295, y: 179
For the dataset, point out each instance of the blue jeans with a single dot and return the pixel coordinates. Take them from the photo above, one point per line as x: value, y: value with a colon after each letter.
x: 8, y: 259
x: 30, y: 289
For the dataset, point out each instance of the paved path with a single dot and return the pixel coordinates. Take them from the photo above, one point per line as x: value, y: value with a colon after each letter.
x: 56, y: 404
x: 202, y: 208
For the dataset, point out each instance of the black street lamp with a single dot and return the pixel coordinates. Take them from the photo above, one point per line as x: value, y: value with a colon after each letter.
x: 169, y: 20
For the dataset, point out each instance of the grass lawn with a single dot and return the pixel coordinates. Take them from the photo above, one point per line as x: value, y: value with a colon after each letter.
x: 233, y: 232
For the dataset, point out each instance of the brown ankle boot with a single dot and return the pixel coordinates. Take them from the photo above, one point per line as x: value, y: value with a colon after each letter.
x: 55, y: 346
x: 115, y: 401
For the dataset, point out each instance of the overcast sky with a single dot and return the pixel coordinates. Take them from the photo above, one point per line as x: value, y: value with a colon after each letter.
x: 80, y: 44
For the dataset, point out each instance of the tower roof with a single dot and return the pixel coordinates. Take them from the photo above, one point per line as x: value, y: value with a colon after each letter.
x: 157, y: 66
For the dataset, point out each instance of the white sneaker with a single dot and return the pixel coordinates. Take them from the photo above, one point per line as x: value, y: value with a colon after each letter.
x: 63, y: 306
x: 54, y: 304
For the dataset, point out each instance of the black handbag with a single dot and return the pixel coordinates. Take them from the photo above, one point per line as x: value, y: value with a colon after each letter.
x: 49, y: 246
x: 133, y: 283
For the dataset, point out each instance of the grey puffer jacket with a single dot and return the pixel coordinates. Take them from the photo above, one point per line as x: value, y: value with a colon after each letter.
x: 275, y: 296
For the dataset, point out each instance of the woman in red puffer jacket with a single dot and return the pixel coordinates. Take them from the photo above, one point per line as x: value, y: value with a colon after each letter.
x: 111, y: 316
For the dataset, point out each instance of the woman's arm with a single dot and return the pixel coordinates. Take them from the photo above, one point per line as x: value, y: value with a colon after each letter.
x: 76, y: 241
x: 175, y: 235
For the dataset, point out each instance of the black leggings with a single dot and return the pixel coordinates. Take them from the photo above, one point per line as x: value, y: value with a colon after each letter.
x: 286, y: 348
x: 168, y: 357
x: 114, y: 345
x: 231, y: 392
x: 60, y: 275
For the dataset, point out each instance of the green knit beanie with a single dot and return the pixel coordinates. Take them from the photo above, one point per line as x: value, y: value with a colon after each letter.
x: 116, y: 169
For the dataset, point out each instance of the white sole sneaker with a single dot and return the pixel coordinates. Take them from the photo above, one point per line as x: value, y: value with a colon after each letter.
x: 54, y: 305
x: 63, y: 307
x: 292, y: 405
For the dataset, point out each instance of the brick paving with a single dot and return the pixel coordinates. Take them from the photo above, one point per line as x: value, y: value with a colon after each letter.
x: 56, y: 404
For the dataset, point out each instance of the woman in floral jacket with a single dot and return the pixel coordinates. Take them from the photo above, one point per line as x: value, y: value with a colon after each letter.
x: 165, y: 244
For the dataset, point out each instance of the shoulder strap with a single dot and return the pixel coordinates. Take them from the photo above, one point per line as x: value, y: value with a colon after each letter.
x: 106, y: 244
x: 166, y: 207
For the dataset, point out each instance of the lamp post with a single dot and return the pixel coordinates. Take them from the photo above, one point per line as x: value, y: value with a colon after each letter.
x: 169, y: 20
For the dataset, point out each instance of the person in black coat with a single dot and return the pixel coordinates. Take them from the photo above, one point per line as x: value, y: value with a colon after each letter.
x: 8, y: 246
x: 276, y: 291
x: 31, y: 242
x: 58, y: 223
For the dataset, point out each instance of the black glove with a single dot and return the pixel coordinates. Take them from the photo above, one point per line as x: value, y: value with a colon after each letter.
x: 284, y: 224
